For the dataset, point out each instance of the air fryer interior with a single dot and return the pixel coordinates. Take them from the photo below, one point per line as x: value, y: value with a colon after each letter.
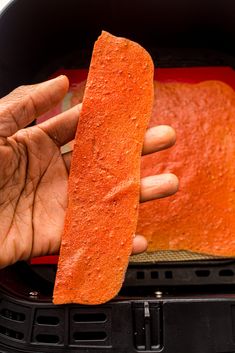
x: 39, y: 37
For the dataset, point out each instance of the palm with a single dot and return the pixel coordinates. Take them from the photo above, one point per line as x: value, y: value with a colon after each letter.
x: 34, y: 173
x: 33, y: 189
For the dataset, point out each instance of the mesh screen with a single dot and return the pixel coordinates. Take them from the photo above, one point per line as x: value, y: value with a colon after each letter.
x: 173, y: 256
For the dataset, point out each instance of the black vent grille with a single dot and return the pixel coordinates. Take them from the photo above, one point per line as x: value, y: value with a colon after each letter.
x: 47, y: 338
x: 72, y: 326
x: 49, y: 327
x: 90, y: 317
x: 13, y: 321
x: 48, y: 320
x: 12, y: 315
x: 178, y: 275
x: 5, y: 331
x: 91, y: 328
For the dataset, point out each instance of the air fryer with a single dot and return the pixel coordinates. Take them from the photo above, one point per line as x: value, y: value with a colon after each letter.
x: 170, y: 302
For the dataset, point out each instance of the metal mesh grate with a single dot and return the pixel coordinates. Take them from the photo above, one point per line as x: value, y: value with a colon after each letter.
x: 163, y: 256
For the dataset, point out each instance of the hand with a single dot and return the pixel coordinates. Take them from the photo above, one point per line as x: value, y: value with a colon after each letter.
x: 34, y: 173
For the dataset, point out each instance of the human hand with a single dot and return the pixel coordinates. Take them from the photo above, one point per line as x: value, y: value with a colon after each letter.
x: 34, y: 173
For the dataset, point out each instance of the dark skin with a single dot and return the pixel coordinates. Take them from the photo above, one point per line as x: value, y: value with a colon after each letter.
x: 34, y: 173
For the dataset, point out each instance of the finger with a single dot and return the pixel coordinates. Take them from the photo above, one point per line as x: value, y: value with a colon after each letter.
x: 62, y: 128
x: 158, y: 138
x: 19, y: 108
x: 151, y: 188
x: 67, y: 160
x: 140, y: 244
x: 158, y: 186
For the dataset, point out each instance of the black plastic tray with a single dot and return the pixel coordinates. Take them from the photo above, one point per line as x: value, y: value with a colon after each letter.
x: 151, y: 321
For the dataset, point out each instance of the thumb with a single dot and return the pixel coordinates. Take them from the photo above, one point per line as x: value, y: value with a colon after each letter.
x: 19, y: 108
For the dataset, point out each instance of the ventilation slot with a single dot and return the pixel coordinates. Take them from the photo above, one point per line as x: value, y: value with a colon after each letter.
x: 202, y: 273
x: 11, y: 333
x: 226, y: 273
x: 48, y: 320
x: 12, y: 315
x: 89, y: 336
x: 154, y: 274
x: 49, y: 339
x: 94, y: 317
x: 139, y: 275
x: 168, y: 274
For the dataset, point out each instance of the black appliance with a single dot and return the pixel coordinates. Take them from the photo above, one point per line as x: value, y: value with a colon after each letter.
x: 164, y: 306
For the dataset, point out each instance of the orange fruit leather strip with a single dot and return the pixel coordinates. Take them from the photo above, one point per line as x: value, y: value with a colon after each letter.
x: 201, y: 216
x: 104, y: 181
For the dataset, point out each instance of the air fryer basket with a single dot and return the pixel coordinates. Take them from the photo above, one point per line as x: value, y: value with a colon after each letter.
x: 39, y: 37
x: 169, y: 302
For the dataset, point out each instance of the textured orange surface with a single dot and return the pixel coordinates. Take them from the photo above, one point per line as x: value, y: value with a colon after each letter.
x: 201, y: 216
x: 104, y: 179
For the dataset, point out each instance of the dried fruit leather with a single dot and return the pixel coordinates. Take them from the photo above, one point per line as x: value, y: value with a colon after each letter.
x: 104, y: 181
x: 201, y: 216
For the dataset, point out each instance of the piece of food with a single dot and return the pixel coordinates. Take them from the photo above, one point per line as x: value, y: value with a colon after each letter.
x: 201, y: 216
x: 104, y: 182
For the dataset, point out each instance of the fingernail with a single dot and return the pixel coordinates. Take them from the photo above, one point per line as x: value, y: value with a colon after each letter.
x: 52, y: 80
